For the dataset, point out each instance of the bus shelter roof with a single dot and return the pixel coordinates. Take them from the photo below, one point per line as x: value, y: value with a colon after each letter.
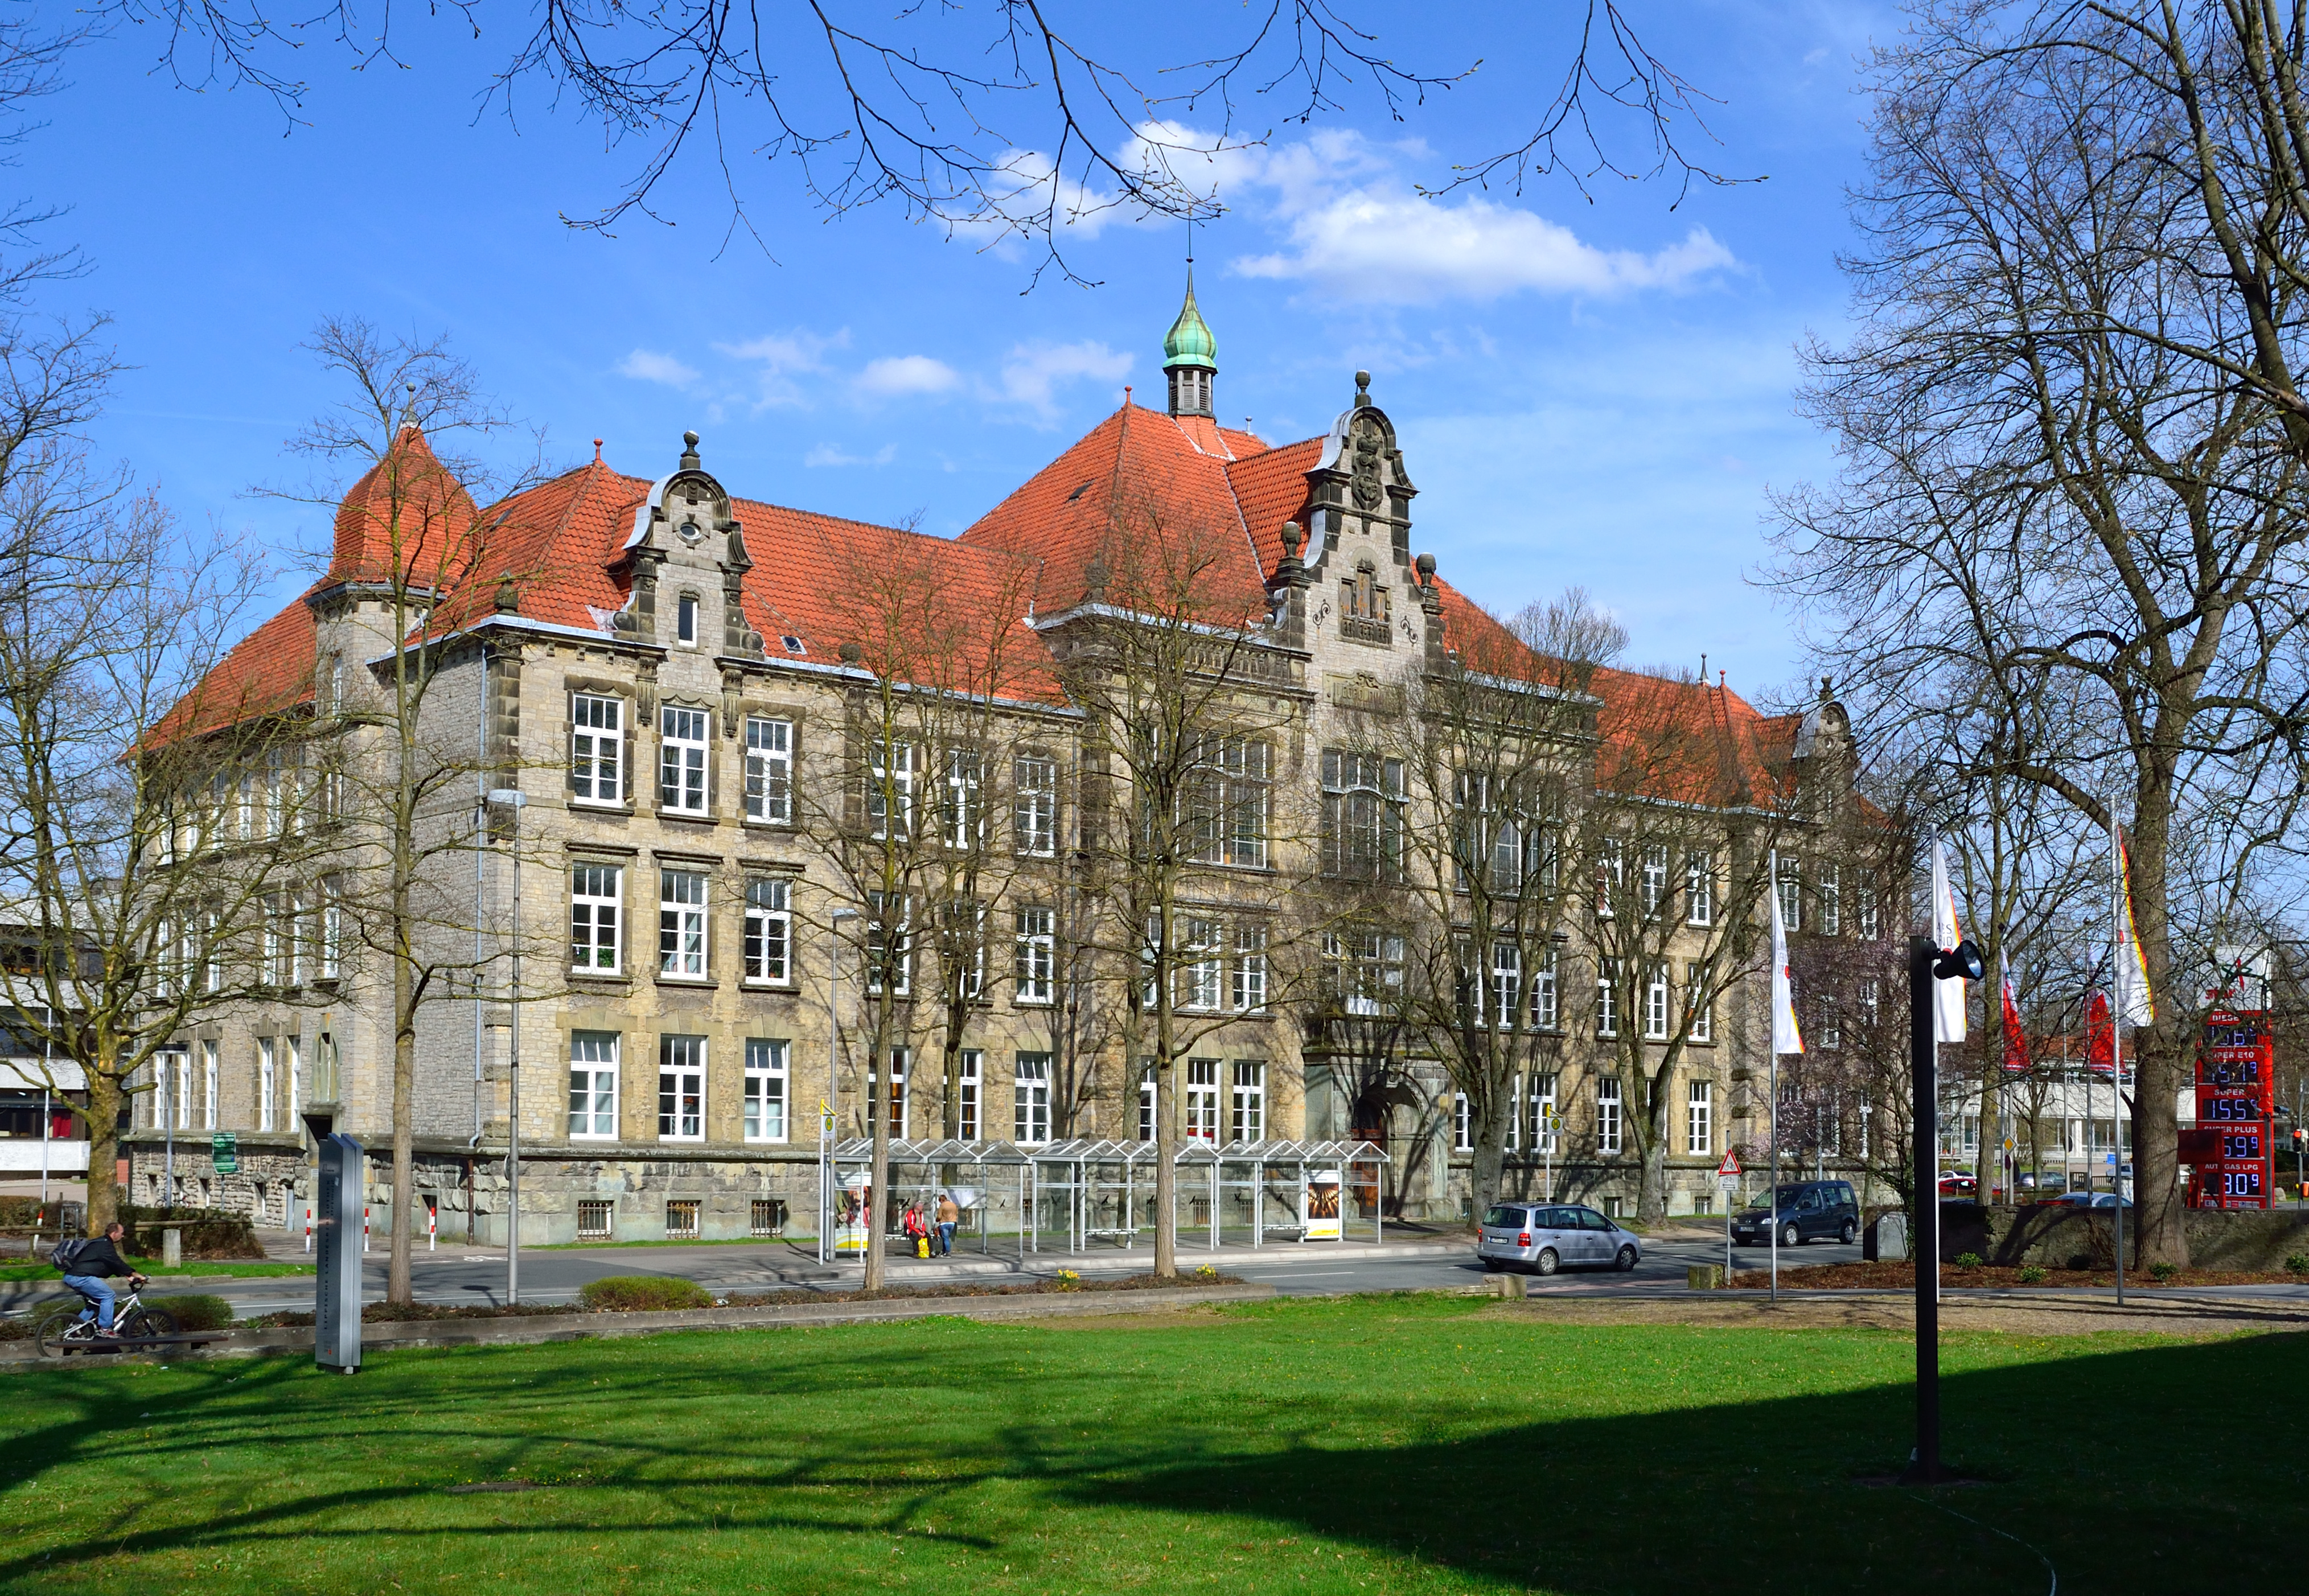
x: 859, y: 1149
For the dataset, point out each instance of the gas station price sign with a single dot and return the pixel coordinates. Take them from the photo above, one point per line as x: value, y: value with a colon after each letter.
x: 2236, y: 1088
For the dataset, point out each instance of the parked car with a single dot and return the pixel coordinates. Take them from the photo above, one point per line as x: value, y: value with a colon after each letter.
x: 1809, y: 1210
x: 1546, y: 1237
x: 1958, y: 1184
x: 2086, y: 1200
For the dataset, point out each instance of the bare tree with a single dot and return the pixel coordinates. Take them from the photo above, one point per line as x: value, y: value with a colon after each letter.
x: 1455, y: 836
x: 1017, y: 121
x: 154, y: 805
x: 2071, y: 461
x: 942, y: 670
x: 417, y: 552
x: 1180, y: 790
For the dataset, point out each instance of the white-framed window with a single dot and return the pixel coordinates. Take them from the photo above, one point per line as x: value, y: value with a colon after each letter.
x: 1546, y: 993
x: 962, y: 819
x: 889, y: 944
x: 209, y: 1073
x: 682, y: 924
x: 1607, y: 997
x: 272, y: 939
x: 267, y: 1069
x: 592, y: 1085
x: 593, y: 901
x: 300, y: 935
x: 766, y: 1090
x: 1699, y: 1119
x: 1831, y: 1022
x: 1831, y: 902
x: 1696, y: 1002
x: 1462, y: 1124
x: 1872, y: 907
x: 1506, y: 1005
x: 1147, y: 1094
x: 1030, y: 1118
x: 1362, y: 967
x: 1228, y: 803
x: 1791, y: 890
x: 1249, y: 985
x: 1867, y: 993
x: 1203, y: 1099
x: 1656, y: 1005
x: 597, y: 731
x: 970, y: 1070
x: 212, y: 954
x: 769, y: 931
x: 333, y: 927
x: 1607, y: 1115
x: 685, y: 620
x: 1541, y: 1103
x: 962, y: 947
x: 1034, y: 790
x: 769, y: 771
x: 1611, y: 876
x: 1201, y: 965
x: 1362, y: 816
x: 1037, y: 954
x: 681, y: 1089
x: 294, y: 1055
x: 1247, y: 1110
x: 895, y: 1104
x: 1655, y: 879
x: 1699, y: 889
x: 682, y: 745
x: 890, y: 789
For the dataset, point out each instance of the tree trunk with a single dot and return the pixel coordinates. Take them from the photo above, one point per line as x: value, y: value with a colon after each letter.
x: 1651, y: 1192
x: 104, y: 1100
x: 878, y: 1127
x: 1489, y: 1162
x: 397, y: 1289
x: 2162, y: 1050
x: 1166, y: 1171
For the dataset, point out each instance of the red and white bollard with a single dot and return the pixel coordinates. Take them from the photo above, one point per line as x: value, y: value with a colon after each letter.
x: 432, y: 1223
x: 364, y: 1226
x: 308, y: 1227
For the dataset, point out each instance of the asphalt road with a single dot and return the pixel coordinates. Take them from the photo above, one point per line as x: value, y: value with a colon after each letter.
x: 555, y: 1275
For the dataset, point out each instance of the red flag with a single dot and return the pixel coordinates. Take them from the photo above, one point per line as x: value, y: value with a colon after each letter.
x: 2016, y: 1045
x: 2100, y: 1037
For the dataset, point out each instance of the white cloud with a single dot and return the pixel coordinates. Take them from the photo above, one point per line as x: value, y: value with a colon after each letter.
x: 830, y: 454
x: 898, y: 375
x: 1381, y: 244
x: 782, y: 356
x: 651, y: 367
x: 1034, y: 372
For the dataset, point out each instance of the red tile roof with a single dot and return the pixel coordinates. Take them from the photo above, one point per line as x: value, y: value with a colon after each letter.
x: 1141, y: 482
x: 406, y: 510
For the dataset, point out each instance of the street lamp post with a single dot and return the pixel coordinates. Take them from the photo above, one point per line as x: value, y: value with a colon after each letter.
x: 1926, y: 963
x: 512, y: 799
x: 829, y: 1175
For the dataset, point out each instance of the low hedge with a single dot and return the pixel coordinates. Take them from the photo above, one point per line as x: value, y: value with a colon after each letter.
x: 208, y: 1232
x: 644, y: 1293
x: 197, y: 1312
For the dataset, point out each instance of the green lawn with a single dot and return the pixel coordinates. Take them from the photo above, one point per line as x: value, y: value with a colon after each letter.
x: 159, y: 1271
x: 1403, y: 1443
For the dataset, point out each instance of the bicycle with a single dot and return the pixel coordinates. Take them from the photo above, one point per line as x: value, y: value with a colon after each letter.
x: 60, y: 1331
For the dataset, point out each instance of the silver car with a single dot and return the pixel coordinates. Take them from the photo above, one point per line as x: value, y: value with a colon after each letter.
x: 1546, y: 1237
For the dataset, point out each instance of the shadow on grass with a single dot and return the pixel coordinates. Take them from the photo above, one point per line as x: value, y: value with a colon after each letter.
x: 2136, y: 1470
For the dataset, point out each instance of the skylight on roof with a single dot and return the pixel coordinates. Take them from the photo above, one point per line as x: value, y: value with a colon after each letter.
x: 1079, y: 492
x: 794, y: 645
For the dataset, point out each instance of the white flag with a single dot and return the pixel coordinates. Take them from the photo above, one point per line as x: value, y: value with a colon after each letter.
x: 2134, y: 1006
x: 1786, y: 1037
x: 1948, y: 991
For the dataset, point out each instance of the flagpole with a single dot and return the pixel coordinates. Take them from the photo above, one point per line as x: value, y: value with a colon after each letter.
x: 1772, y: 1199
x: 2116, y: 1036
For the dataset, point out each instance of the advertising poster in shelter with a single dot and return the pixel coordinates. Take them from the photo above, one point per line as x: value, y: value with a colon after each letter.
x: 1322, y: 1201
x: 852, y: 1233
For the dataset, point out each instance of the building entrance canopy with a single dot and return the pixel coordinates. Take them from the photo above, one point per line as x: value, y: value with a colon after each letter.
x: 1090, y: 1191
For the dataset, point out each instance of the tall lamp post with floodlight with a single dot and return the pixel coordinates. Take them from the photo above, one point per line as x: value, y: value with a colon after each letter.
x: 507, y: 798
x: 1927, y: 963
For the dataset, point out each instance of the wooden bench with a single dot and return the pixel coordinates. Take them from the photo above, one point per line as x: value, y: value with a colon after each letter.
x: 1123, y: 1235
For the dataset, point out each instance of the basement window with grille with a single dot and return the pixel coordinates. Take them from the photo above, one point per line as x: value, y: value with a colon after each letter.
x: 680, y: 1219
x: 769, y: 1216
x: 593, y: 1219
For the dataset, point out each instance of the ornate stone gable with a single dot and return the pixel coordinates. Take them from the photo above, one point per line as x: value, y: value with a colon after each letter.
x: 688, y: 559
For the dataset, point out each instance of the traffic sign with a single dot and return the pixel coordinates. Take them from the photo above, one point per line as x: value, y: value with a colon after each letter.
x: 2010, y: 1144
x: 1728, y: 1184
x: 1730, y: 1165
x: 224, y: 1152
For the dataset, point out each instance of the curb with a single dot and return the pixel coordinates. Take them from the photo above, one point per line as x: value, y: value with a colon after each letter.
x: 563, y: 1327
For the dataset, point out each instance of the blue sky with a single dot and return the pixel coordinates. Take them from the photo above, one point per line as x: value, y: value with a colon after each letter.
x: 1592, y: 393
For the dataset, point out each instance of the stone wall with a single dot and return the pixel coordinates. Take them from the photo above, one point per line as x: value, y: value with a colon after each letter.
x: 2085, y: 1238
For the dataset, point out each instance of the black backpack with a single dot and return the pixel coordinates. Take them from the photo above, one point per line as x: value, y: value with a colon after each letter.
x: 67, y: 1252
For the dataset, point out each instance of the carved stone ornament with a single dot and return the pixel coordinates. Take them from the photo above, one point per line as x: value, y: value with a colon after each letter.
x: 1369, y: 442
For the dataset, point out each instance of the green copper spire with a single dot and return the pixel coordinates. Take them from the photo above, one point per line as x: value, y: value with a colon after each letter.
x: 1191, y: 343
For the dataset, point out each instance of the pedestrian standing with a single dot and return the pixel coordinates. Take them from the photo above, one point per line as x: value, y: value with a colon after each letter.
x: 948, y: 1216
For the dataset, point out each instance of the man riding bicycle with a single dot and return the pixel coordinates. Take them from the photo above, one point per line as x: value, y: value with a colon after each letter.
x: 91, y: 1266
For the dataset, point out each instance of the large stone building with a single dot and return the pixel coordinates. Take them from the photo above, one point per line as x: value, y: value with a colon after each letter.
x: 672, y: 675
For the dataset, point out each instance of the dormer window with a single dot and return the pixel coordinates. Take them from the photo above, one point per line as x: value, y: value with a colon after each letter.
x: 794, y: 645
x: 685, y: 627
